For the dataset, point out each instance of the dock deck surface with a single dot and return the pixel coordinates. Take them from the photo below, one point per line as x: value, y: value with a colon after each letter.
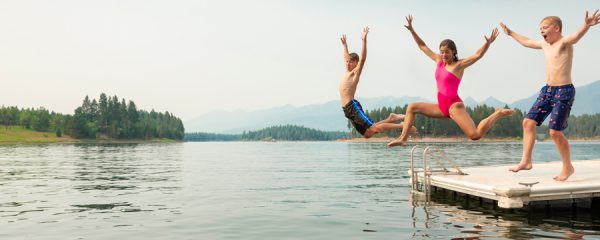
x: 500, y: 184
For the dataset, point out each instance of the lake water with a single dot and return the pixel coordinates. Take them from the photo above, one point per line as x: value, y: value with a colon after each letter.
x: 254, y: 190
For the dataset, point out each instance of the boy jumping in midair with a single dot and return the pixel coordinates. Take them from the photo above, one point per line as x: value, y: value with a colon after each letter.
x: 352, y: 108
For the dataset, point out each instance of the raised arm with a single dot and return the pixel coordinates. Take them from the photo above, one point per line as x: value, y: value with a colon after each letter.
x: 479, y: 54
x: 435, y: 57
x: 363, y: 52
x: 526, y: 42
x: 345, y: 44
x: 588, y: 22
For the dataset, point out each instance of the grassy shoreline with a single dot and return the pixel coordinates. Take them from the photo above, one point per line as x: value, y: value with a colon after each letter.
x: 17, y: 134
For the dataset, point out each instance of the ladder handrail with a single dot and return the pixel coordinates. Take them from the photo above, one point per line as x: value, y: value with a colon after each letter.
x: 443, y: 155
x: 428, y: 152
x: 426, y: 175
x: 414, y: 177
x: 437, y: 155
x: 436, y: 158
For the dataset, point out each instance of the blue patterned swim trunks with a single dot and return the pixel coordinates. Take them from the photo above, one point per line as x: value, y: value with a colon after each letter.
x: 555, y: 101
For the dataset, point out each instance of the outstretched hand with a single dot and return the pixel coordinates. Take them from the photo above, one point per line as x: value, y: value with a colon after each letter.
x: 343, y: 38
x: 364, y: 33
x: 492, y: 36
x: 409, y: 19
x: 505, y: 28
x: 593, y: 20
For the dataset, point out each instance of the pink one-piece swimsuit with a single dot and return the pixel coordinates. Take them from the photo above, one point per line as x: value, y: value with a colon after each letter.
x: 447, y: 85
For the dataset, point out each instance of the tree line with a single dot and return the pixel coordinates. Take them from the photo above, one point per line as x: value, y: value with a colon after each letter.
x: 291, y: 133
x: 106, y: 117
x: 584, y: 126
x: 281, y: 132
x: 211, y: 137
x: 37, y: 119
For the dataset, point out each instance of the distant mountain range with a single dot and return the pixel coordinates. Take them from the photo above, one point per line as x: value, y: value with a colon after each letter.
x: 329, y: 116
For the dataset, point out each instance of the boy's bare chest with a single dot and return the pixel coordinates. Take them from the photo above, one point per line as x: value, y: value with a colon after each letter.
x: 350, y: 77
x: 556, y: 51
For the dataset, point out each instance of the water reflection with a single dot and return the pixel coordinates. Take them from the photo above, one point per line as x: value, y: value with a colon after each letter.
x: 474, y: 220
x: 74, y: 178
x: 253, y: 190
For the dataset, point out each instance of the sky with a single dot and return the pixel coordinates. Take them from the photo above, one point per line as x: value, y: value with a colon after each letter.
x: 194, y: 57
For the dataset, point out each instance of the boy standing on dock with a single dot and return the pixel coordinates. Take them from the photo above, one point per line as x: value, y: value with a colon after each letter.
x: 556, y: 98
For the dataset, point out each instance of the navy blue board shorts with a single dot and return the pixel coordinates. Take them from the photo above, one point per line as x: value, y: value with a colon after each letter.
x: 555, y: 101
x: 353, y: 111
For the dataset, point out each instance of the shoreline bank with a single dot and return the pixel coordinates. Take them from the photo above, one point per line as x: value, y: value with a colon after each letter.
x: 20, y: 135
x: 90, y: 141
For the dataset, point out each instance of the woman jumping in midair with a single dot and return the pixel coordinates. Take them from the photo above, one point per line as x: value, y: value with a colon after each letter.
x: 448, y: 74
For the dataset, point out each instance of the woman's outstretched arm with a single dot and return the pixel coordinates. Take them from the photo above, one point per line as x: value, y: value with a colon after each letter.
x: 435, y: 57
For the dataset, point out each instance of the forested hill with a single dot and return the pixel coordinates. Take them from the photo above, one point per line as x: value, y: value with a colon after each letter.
x: 282, y: 132
x: 291, y: 133
x: 211, y: 137
x: 584, y: 126
x: 106, y: 118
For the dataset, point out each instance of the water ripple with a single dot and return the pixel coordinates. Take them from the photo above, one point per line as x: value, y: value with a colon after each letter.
x: 253, y: 190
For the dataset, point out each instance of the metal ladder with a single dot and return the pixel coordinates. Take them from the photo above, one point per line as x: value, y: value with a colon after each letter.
x: 439, y: 157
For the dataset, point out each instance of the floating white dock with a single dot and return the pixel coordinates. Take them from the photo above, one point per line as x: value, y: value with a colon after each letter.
x: 499, y: 184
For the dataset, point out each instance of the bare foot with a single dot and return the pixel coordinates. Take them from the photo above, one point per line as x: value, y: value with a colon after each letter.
x: 413, y: 130
x: 572, y: 235
x: 394, y: 117
x: 521, y: 166
x: 397, y: 142
x: 505, y: 112
x: 565, y: 174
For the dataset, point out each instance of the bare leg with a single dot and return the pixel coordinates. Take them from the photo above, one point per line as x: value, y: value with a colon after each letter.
x: 487, y: 123
x: 383, y: 126
x: 459, y: 114
x: 461, y: 117
x: 393, y: 117
x: 562, y: 145
x: 427, y: 109
x: 528, y: 142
